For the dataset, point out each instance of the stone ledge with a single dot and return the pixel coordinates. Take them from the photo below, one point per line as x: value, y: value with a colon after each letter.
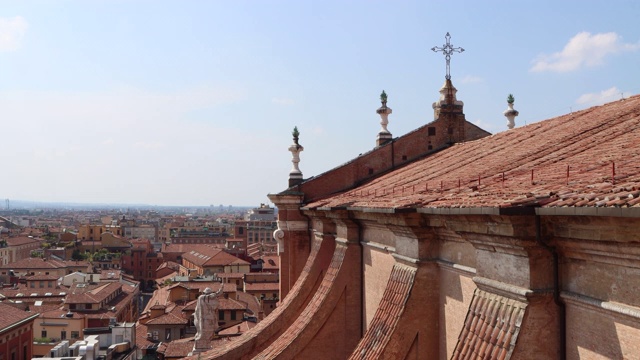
x: 500, y: 288
x: 388, y: 249
x: 607, y: 306
x: 464, y: 270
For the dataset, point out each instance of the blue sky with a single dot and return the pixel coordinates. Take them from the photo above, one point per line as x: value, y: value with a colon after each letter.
x: 193, y: 102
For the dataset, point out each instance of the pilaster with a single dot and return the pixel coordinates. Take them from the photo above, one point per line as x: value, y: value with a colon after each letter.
x: 293, y: 238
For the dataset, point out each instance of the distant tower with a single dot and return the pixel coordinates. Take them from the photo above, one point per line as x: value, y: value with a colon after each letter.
x: 510, y: 113
x: 8, y: 207
x: 295, y: 175
x: 384, y: 136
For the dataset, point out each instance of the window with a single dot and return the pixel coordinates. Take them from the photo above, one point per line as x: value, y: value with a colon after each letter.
x: 220, y: 315
x: 44, y: 333
x: 167, y: 334
x: 233, y: 314
x: 50, y: 283
x: 33, y: 284
x: 75, y: 334
x: 63, y: 335
x: 431, y: 131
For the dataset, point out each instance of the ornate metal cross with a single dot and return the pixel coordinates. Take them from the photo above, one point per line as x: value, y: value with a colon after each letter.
x: 447, y: 49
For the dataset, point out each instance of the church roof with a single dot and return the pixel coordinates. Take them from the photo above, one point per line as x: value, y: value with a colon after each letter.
x: 585, y: 159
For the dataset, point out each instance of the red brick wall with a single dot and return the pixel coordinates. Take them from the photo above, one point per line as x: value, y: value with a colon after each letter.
x: 386, y: 157
x: 16, y: 340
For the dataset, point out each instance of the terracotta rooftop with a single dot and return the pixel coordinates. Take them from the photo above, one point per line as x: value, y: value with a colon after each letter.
x: 302, y: 322
x: 175, y: 349
x: 271, y: 262
x: 169, y: 318
x: 265, y: 286
x: 387, y: 315
x: 254, y: 341
x: 211, y: 256
x: 238, y: 329
x: 41, y: 277
x: 95, y: 295
x: 10, y: 316
x: 583, y: 159
x: 22, y: 240
x: 491, y: 327
x: 230, y: 304
x: 141, y: 336
x: 38, y: 263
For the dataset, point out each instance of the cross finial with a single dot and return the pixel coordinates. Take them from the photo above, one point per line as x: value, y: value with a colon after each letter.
x: 447, y: 49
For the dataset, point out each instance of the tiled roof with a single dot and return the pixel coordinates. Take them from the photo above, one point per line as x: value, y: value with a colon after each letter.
x: 320, y: 298
x: 238, y: 329
x: 491, y: 327
x: 276, y: 323
x: 230, y: 304
x: 176, y: 349
x: 252, y: 302
x: 41, y: 277
x: 10, y: 315
x: 265, y: 286
x: 210, y: 256
x: 57, y: 313
x: 169, y: 264
x: 22, y: 240
x: 271, y: 262
x: 168, y: 319
x: 38, y: 263
x: 93, y: 296
x: 387, y: 315
x: 583, y: 159
x: 183, y: 248
x: 141, y: 336
x: 160, y: 296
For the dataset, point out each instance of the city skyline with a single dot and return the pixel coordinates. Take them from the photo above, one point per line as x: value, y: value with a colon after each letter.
x: 193, y: 103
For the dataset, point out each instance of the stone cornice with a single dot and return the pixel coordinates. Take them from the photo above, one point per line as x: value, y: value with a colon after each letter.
x: 587, y: 302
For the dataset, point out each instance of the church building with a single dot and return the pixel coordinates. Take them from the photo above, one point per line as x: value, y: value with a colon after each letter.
x: 449, y: 243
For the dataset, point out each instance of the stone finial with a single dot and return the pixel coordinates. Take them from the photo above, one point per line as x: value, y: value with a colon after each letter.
x: 295, y: 175
x: 510, y: 113
x: 384, y: 135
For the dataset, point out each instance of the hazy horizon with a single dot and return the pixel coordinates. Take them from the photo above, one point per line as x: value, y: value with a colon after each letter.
x: 193, y: 102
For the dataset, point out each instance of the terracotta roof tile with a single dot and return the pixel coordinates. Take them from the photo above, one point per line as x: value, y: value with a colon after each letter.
x: 491, y: 327
x: 264, y: 286
x: 22, y: 240
x: 319, y: 299
x: 275, y: 324
x: 387, y: 315
x: 10, y: 315
x: 168, y: 319
x: 586, y: 158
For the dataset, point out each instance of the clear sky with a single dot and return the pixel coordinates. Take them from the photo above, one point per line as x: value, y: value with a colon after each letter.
x: 193, y: 102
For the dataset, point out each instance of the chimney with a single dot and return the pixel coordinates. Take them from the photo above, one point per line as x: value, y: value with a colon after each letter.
x: 384, y: 136
x: 295, y: 175
x: 510, y: 113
